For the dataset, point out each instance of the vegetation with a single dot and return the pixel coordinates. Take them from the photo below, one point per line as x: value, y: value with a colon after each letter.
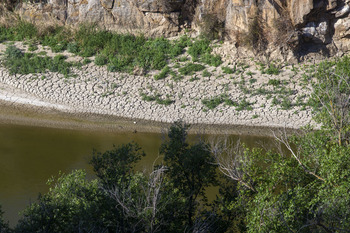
x: 304, y: 187
x: 157, y: 98
x: 26, y: 63
x: 120, y: 52
x: 191, y: 68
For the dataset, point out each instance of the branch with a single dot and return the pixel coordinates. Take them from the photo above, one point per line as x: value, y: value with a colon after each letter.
x: 284, y: 140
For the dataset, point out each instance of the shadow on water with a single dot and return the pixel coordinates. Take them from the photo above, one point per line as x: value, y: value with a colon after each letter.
x: 31, y: 155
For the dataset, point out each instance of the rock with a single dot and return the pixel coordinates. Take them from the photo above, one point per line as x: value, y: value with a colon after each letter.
x: 341, y: 36
x: 342, y: 11
x: 299, y: 9
x: 107, y: 4
x: 317, y: 32
x: 314, y: 20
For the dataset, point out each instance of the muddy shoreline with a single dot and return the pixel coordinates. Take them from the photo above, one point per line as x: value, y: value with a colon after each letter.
x: 23, y: 114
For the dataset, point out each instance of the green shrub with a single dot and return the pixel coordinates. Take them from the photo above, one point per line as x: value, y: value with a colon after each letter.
x: 24, y: 30
x: 163, y: 74
x: 32, y: 47
x: 198, y: 48
x: 118, y: 64
x: 86, y: 61
x: 272, y: 69
x: 244, y: 105
x: 12, y: 52
x: 206, y: 73
x: 32, y: 63
x: 191, y: 68
x: 227, y: 70
x: 101, y: 60
x: 157, y: 98
x: 73, y: 47
x: 274, y: 82
x: 212, y: 60
x: 215, y: 101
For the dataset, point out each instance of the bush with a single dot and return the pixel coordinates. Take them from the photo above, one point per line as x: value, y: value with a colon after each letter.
x: 272, y: 69
x: 212, y: 60
x: 32, y: 63
x: 12, y: 52
x: 73, y: 47
x: 227, y: 70
x: 163, y: 74
x: 274, y: 82
x: 191, y: 68
x: 198, y: 48
x: 101, y: 60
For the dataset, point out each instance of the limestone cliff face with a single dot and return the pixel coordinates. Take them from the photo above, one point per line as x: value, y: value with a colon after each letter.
x: 314, y: 25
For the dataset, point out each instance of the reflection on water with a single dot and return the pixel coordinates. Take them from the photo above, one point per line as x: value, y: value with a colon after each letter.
x: 31, y: 155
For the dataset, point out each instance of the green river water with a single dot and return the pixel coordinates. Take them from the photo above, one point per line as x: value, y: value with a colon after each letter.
x: 31, y: 155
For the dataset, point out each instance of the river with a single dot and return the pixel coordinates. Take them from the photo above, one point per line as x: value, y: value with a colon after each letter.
x: 30, y: 155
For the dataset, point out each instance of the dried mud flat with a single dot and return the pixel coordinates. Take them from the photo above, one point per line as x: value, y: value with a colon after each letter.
x: 95, y: 98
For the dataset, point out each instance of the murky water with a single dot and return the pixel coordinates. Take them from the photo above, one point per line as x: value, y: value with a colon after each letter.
x: 31, y: 155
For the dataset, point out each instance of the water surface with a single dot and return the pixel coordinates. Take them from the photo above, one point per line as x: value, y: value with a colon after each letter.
x: 31, y: 155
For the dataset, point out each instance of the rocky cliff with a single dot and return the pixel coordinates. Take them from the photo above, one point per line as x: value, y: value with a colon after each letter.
x: 301, y: 26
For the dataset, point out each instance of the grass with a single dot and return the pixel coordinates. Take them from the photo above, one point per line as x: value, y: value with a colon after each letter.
x: 120, y: 52
x: 101, y: 60
x: 244, y: 105
x: 157, y: 98
x: 227, y: 70
x: 272, y: 69
x: 163, y: 74
x: 191, y: 68
x: 274, y: 82
x: 206, y: 73
x: 26, y: 63
x: 213, y: 102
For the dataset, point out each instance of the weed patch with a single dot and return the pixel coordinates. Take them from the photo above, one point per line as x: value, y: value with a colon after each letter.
x: 191, y: 68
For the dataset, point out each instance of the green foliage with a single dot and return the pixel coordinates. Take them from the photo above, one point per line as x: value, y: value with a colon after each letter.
x: 101, y: 60
x: 115, y: 166
x: 198, y: 48
x: 4, y: 226
x: 215, y: 101
x: 212, y: 60
x: 330, y: 97
x: 18, y: 63
x: 73, y: 47
x: 71, y: 205
x: 189, y: 167
x: 271, y: 69
x: 244, y: 105
x: 157, y: 98
x: 191, y: 68
x: 227, y: 70
x: 274, y: 82
x: 163, y: 74
x: 206, y: 73
x: 12, y: 52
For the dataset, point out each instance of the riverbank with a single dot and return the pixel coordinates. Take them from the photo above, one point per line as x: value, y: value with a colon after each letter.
x: 245, y: 102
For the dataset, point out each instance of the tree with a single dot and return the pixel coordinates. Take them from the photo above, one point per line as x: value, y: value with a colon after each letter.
x: 4, y: 226
x: 331, y: 97
x: 138, y: 202
x: 190, y: 168
x: 71, y: 205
